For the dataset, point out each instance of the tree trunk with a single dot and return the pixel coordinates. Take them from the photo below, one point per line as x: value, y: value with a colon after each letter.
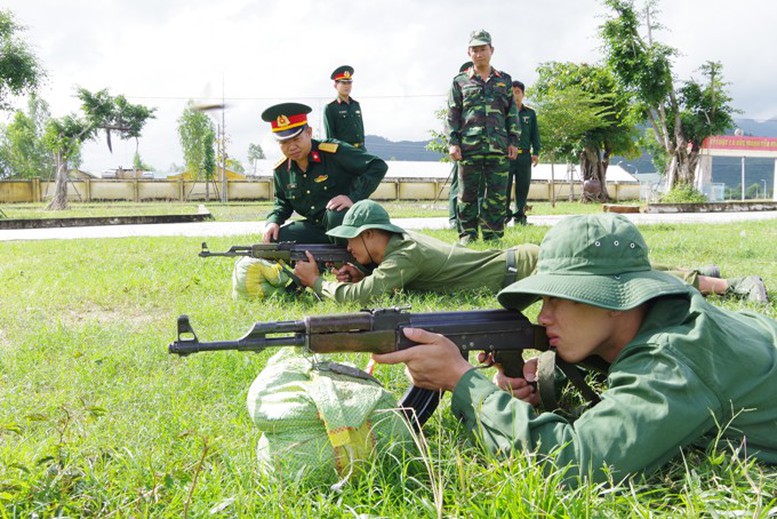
x: 59, y: 201
x: 594, y: 171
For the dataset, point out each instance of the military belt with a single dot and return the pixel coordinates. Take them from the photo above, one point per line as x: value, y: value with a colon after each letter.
x: 357, y: 144
x: 512, y: 272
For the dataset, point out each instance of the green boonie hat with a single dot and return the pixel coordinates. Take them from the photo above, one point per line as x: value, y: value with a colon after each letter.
x: 600, y: 260
x: 343, y: 73
x: 479, y: 37
x: 363, y: 215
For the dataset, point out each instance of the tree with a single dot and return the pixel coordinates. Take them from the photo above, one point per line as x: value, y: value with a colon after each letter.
x: 22, y: 150
x: 643, y: 67
x: 20, y: 72
x: 583, y: 112
x: 198, y: 139
x: 255, y: 153
x: 101, y: 112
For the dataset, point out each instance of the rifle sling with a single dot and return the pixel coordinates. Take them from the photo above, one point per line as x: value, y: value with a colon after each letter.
x: 546, y: 371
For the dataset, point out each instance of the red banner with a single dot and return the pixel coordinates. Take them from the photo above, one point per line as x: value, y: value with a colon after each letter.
x: 740, y: 142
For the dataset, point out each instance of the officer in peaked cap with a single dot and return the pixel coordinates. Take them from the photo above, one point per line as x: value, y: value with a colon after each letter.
x: 319, y: 180
x: 287, y: 120
x: 343, y: 116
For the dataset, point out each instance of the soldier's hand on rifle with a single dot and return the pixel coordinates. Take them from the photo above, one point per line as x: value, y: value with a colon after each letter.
x: 521, y: 388
x: 348, y: 274
x: 307, y: 271
x: 339, y: 203
x: 270, y: 232
x: 435, y: 363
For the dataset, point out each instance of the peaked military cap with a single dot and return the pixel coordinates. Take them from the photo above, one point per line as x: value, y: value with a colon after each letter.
x: 479, y: 37
x: 343, y: 73
x: 287, y: 120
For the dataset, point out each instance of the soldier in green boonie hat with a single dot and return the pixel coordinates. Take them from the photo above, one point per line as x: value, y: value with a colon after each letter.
x: 681, y: 371
x: 405, y: 260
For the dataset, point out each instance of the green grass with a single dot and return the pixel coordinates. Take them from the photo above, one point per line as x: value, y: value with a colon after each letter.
x: 97, y: 420
x: 248, y: 211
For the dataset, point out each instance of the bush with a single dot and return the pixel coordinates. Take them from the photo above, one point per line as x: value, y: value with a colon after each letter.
x: 684, y: 194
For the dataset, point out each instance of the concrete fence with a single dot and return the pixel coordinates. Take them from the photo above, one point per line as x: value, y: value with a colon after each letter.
x: 143, y: 190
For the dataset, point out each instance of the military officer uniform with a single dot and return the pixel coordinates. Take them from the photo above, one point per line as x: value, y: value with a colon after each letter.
x: 343, y: 119
x: 520, y: 168
x: 333, y: 169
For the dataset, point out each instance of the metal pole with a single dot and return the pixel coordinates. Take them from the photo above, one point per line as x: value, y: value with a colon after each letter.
x: 743, y: 178
x: 223, y: 148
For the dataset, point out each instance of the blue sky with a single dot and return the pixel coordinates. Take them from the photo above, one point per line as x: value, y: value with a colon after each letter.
x: 165, y: 52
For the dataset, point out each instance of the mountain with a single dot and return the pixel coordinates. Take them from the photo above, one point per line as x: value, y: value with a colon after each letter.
x: 400, y: 150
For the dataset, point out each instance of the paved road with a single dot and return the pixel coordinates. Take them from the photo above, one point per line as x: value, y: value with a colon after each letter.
x: 241, y: 228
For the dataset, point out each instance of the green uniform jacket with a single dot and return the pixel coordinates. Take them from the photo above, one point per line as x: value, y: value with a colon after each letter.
x: 691, y: 367
x: 343, y: 121
x: 530, y: 132
x: 482, y: 117
x: 333, y: 169
x: 418, y: 262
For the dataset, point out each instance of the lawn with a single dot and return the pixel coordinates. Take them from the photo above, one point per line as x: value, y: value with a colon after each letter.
x: 98, y: 420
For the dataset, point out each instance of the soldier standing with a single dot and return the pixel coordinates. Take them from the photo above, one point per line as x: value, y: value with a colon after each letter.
x: 483, y: 132
x: 528, y: 156
x: 343, y: 116
x: 319, y: 180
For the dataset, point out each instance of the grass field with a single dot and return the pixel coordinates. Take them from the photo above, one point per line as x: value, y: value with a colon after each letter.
x: 98, y: 420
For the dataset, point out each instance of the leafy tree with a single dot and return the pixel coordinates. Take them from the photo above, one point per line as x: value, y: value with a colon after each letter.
x: 63, y: 137
x: 101, y: 111
x: 198, y: 138
x: 20, y: 71
x: 255, y: 153
x: 584, y: 117
x: 22, y: 151
x: 677, y: 117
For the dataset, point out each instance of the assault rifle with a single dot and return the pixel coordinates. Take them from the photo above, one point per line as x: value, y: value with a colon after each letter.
x: 505, y: 334
x: 286, y: 251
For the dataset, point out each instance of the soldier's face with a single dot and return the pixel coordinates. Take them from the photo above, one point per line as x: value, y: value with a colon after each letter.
x: 518, y: 96
x: 299, y: 147
x: 343, y: 88
x: 480, y: 54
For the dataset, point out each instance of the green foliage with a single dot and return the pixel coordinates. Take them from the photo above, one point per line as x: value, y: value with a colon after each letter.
x: 22, y: 150
x: 113, y: 114
x: 198, y: 138
x: 684, y: 194
x: 705, y: 107
x: 439, y: 142
x: 255, y: 153
x: 20, y: 71
x: 580, y: 108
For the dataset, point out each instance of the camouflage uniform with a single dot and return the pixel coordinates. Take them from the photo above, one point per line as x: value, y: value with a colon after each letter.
x: 483, y: 122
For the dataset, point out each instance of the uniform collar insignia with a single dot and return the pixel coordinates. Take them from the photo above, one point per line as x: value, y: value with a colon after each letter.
x: 315, y: 156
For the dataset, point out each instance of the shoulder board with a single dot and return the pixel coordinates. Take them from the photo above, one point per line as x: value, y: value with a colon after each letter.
x: 329, y: 147
x: 280, y: 161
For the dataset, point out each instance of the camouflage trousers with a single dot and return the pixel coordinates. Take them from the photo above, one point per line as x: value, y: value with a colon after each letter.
x: 482, y: 196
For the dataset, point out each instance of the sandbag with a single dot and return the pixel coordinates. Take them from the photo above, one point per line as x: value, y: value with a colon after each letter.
x: 321, y: 422
x: 257, y: 278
